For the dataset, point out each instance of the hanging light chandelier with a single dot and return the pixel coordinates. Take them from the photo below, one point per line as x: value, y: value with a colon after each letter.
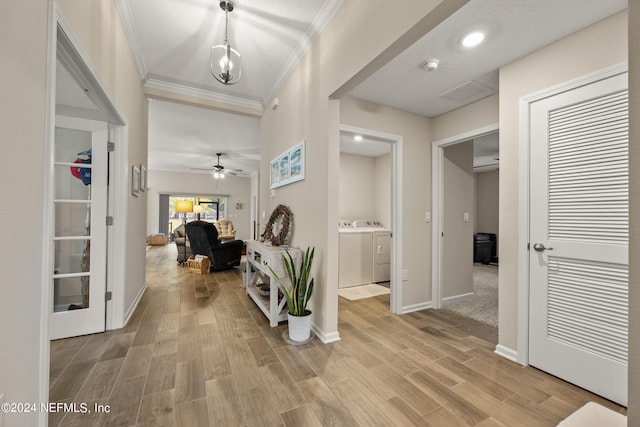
x: 225, y: 60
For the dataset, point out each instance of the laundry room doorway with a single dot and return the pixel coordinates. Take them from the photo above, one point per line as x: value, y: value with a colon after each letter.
x: 369, y: 192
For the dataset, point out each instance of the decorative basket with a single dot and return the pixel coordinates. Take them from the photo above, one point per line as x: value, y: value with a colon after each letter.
x: 157, y: 240
x: 200, y: 267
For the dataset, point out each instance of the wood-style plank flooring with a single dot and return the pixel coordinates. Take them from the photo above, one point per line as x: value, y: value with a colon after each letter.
x: 198, y: 352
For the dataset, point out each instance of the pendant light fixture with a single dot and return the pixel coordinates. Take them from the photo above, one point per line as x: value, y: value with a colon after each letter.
x: 225, y: 60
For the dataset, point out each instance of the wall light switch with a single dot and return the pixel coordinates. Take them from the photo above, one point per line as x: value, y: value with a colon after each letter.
x: 427, y: 217
x: 405, y: 275
x: 466, y: 217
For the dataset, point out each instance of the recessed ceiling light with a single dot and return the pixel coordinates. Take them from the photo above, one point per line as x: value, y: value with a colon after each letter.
x: 473, y: 39
x: 357, y: 138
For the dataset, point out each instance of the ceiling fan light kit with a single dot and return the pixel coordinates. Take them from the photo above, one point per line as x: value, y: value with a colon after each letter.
x: 226, y: 62
x: 218, y: 171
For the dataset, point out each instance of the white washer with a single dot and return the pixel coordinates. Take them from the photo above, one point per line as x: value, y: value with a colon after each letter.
x: 364, y: 253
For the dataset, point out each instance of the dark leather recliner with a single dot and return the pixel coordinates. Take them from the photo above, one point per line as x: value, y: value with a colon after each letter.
x: 203, y: 238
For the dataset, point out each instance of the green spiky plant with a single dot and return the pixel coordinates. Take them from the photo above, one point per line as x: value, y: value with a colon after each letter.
x: 301, y: 284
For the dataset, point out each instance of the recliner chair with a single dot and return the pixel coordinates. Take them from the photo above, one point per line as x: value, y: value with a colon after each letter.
x: 225, y: 229
x: 203, y: 238
x: 180, y: 237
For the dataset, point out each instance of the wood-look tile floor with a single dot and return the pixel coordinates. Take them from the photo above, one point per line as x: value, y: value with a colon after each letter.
x: 198, y: 352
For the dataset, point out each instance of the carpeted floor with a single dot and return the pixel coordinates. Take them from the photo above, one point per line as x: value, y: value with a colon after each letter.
x: 483, y: 306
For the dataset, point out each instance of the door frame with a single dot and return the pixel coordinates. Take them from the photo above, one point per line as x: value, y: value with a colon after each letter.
x: 396, y: 306
x: 63, y: 44
x: 67, y: 48
x: 99, y: 131
x: 437, y: 203
x: 521, y: 355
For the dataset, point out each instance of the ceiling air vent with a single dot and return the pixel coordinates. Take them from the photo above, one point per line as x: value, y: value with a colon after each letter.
x: 467, y: 92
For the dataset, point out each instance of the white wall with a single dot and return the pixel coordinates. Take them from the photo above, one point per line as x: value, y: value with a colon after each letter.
x: 309, y: 111
x: 23, y: 130
x: 23, y: 306
x: 237, y: 189
x: 357, y: 179
x: 487, y: 196
x: 365, y: 188
x: 382, y: 193
x: 457, y: 248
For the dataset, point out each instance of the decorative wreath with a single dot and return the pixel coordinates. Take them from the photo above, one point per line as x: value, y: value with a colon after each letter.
x: 283, y: 214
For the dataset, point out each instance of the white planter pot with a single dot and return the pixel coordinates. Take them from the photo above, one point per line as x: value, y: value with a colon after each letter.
x: 300, y: 327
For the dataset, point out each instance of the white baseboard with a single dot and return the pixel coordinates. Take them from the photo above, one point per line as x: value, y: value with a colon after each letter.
x: 134, y: 305
x: 457, y: 298
x: 416, y: 307
x: 326, y: 338
x: 507, y: 353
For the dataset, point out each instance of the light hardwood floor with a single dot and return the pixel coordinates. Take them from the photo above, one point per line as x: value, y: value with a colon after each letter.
x: 198, y: 352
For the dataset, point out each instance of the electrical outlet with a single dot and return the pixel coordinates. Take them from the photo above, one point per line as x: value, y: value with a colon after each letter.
x: 466, y: 217
x: 405, y: 275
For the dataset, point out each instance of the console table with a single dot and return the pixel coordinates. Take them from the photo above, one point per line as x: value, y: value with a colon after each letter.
x: 259, y: 258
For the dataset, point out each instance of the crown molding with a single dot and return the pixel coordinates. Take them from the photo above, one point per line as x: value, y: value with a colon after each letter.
x: 321, y: 20
x: 126, y: 17
x: 189, y: 91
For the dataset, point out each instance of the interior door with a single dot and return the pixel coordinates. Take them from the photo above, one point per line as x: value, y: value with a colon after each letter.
x: 79, y: 242
x: 579, y: 236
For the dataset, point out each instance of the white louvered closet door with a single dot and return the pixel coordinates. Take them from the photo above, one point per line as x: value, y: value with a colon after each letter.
x: 579, y: 236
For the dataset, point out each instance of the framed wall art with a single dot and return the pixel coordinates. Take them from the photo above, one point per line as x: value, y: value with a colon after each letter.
x: 296, y: 163
x: 288, y: 167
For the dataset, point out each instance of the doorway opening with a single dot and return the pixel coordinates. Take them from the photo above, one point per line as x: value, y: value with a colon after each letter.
x: 369, y: 192
x: 465, y: 210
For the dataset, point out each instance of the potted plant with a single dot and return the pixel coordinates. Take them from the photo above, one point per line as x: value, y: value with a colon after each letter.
x: 297, y: 293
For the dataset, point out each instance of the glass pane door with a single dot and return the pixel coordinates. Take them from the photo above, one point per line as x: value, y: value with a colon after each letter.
x: 72, y: 235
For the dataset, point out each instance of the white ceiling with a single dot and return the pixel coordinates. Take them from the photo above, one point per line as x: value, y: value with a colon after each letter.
x: 171, y: 40
x: 514, y: 28
x: 369, y: 146
x: 182, y: 137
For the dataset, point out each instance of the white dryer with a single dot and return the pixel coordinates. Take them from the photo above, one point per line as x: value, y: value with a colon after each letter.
x: 364, y: 253
x: 381, y: 256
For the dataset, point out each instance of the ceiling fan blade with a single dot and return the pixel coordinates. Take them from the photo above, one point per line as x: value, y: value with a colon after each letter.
x: 202, y: 169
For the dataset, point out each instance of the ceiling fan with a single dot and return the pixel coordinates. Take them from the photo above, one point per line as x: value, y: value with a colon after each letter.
x: 219, y: 170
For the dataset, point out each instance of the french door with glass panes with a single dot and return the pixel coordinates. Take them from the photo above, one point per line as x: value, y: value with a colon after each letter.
x: 79, y: 241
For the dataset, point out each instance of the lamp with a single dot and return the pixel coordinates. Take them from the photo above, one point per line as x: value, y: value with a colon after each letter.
x: 184, y: 206
x: 218, y: 175
x: 198, y: 209
x: 225, y: 60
